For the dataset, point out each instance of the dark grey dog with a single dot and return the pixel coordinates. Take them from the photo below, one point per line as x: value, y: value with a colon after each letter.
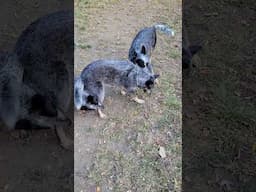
x: 37, y: 79
x: 122, y: 73
x: 143, y: 45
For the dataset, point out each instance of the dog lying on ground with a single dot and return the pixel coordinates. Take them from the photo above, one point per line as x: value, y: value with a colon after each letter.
x: 143, y: 45
x: 90, y: 85
x: 37, y: 79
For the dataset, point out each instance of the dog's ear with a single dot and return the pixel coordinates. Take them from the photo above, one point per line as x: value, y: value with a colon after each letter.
x: 194, y: 49
x: 133, y: 57
x: 143, y: 50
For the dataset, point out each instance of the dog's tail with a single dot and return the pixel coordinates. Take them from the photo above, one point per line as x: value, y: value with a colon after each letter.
x: 165, y: 29
x: 10, y: 89
x: 9, y: 102
x: 78, y: 92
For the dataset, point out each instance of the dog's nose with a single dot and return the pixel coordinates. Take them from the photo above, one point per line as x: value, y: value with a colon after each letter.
x: 150, y: 83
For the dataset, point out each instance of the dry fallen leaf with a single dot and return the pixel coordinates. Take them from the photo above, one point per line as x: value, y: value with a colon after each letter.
x: 162, y: 152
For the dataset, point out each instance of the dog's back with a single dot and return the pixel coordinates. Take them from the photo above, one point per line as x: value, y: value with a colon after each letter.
x: 107, y: 71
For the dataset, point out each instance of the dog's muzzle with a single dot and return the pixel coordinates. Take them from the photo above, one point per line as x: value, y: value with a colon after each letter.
x: 151, y: 82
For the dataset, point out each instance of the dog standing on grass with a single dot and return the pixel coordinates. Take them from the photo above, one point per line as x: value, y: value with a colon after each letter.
x: 90, y: 85
x: 144, y: 44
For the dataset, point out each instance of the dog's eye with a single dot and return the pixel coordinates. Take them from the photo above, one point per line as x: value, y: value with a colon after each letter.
x: 146, y: 64
x: 140, y: 63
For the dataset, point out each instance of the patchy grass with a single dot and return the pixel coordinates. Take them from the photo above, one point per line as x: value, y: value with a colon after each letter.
x: 82, y: 46
x: 225, y: 134
x: 127, y: 155
x: 138, y: 166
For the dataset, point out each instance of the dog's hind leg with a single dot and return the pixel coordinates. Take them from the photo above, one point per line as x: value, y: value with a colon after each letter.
x: 123, y: 92
x: 101, y: 95
x: 66, y: 142
x: 59, y: 123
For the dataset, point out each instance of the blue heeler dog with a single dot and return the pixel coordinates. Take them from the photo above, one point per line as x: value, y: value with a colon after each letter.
x: 89, y: 89
x: 143, y: 45
x: 36, y: 80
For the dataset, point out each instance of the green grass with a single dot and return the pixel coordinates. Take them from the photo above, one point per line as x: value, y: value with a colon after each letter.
x: 82, y: 46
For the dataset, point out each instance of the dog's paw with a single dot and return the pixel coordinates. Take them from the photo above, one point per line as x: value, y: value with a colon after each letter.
x: 137, y: 100
x: 68, y: 144
x: 157, y: 82
x: 102, y: 115
x: 65, y: 141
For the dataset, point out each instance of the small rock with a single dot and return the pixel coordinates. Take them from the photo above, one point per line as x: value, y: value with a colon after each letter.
x: 162, y: 152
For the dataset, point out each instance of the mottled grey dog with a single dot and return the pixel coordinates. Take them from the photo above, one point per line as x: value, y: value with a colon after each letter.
x: 122, y: 73
x: 36, y: 80
x: 143, y: 45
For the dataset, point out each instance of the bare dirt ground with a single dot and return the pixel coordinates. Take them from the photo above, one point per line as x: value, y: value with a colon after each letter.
x: 120, y: 153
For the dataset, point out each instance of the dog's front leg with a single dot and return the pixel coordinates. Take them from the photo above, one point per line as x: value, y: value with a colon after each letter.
x: 101, y: 114
x: 66, y: 142
x: 157, y: 82
x: 123, y: 92
x: 53, y: 122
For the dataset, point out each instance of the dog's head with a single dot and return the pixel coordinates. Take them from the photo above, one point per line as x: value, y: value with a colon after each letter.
x: 149, y: 84
x: 145, y: 80
x: 142, y: 57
